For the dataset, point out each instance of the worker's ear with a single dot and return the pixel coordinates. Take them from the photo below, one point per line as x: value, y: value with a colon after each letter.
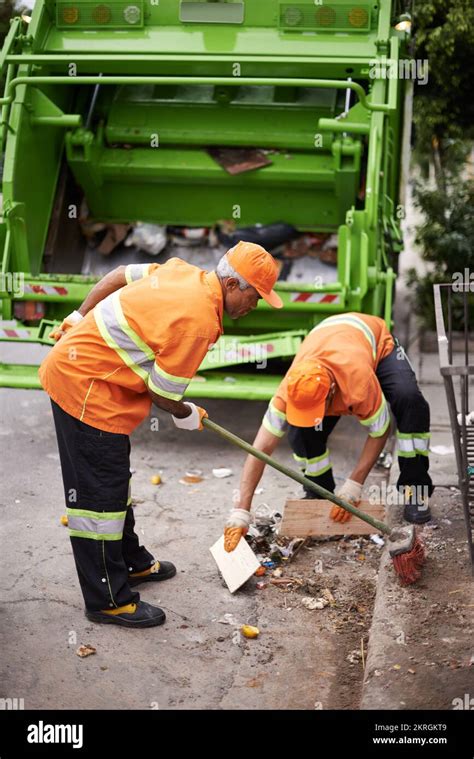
x: 231, y: 284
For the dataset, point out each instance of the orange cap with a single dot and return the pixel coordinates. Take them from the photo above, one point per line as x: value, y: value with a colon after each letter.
x: 308, y: 385
x: 258, y: 268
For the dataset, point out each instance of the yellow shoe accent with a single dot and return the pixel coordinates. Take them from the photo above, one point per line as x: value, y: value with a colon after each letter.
x: 128, y: 609
x: 151, y: 570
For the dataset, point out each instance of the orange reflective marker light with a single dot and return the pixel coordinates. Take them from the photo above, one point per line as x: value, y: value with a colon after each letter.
x: 358, y: 17
x: 71, y: 14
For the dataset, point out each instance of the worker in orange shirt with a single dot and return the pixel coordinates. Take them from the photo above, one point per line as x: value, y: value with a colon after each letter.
x: 349, y: 364
x: 138, y: 338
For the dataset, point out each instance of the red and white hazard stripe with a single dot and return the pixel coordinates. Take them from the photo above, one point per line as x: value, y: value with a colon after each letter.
x: 315, y: 298
x: 45, y: 289
x: 12, y: 333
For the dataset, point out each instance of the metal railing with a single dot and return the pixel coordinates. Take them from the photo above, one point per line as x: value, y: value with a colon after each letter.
x: 454, y: 304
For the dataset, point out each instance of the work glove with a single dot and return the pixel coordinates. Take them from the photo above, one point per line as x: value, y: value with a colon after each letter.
x: 193, y: 421
x: 351, y: 492
x: 68, y: 322
x: 237, y: 525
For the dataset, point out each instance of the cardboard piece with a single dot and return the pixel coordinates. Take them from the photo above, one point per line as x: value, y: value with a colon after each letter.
x: 236, y: 567
x: 303, y: 518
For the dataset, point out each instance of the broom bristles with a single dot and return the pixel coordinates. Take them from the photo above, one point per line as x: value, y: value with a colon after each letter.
x: 408, y: 565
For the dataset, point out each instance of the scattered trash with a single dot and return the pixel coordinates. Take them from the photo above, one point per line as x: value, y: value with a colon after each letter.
x: 355, y: 656
x: 259, y: 491
x: 228, y: 619
x: 64, y: 520
x: 269, y: 564
x: 385, y: 460
x: 188, y: 236
x: 239, y: 160
x: 397, y: 666
x: 378, y: 672
x: 412, y: 671
x: 314, y: 603
x: 286, y: 581
x: 114, y: 235
x: 277, y: 572
x: 86, y: 650
x: 155, y: 479
x: 260, y: 571
x: 248, y: 631
x: 270, y: 236
x: 442, y: 450
x: 261, y: 585
x: 322, y: 246
x: 150, y: 238
x: 377, y: 540
x: 221, y: 473
x: 328, y: 596
x: 191, y: 477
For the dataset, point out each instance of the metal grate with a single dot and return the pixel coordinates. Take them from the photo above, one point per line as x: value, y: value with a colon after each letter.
x: 455, y: 302
x: 97, y: 15
x: 354, y: 17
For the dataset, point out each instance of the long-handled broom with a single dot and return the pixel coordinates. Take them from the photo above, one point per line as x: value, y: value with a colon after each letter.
x: 405, y: 548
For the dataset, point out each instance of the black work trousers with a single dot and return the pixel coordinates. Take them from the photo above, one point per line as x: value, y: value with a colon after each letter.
x: 412, y: 416
x: 95, y: 468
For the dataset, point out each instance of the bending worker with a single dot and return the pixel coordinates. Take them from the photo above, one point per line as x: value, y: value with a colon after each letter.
x: 347, y: 365
x: 139, y: 337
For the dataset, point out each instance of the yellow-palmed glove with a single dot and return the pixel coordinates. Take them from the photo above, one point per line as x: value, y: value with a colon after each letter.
x: 68, y: 322
x: 236, y: 526
x: 351, y: 492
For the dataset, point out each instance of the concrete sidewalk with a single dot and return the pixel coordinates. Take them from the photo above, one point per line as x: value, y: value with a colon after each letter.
x: 421, y: 654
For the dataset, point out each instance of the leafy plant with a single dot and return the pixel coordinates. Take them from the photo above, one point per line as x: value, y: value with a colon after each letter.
x: 443, y: 132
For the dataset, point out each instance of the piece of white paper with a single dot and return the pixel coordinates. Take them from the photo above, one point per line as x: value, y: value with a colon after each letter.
x: 237, y: 566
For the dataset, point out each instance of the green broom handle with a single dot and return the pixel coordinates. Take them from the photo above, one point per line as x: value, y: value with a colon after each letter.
x: 322, y: 492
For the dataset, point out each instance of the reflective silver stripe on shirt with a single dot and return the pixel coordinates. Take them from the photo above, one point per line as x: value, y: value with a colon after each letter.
x: 275, y: 421
x: 351, y: 321
x: 134, y: 272
x: 160, y: 381
x: 108, y: 309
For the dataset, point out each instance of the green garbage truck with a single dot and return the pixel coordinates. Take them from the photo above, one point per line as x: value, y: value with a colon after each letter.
x: 119, y: 104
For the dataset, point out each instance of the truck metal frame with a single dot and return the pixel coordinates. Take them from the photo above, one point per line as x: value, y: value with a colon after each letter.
x: 89, y: 85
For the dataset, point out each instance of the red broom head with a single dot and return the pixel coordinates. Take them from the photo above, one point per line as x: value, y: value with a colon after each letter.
x: 408, y: 564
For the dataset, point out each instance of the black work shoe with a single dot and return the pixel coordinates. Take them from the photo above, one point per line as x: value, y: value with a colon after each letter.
x: 161, y: 570
x: 416, y: 509
x: 145, y: 615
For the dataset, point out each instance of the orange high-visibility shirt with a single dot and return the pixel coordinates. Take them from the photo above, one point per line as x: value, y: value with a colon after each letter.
x: 151, y: 334
x: 351, y: 346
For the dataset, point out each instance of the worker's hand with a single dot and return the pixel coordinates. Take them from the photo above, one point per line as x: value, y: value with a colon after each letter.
x: 351, y: 492
x: 193, y: 421
x: 237, y: 525
x: 68, y: 322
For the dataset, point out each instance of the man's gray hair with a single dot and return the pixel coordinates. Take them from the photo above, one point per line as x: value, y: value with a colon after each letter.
x: 224, y: 269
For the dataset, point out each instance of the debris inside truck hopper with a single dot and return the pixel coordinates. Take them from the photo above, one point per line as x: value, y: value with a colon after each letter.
x: 239, y: 160
x: 269, y: 236
x: 150, y: 238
